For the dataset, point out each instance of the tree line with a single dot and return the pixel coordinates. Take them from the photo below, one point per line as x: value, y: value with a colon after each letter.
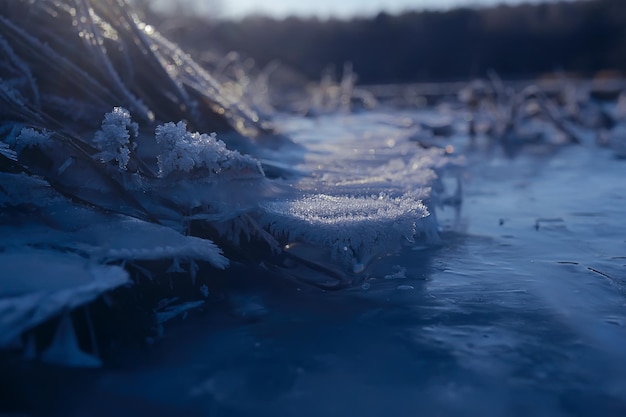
x: 528, y: 40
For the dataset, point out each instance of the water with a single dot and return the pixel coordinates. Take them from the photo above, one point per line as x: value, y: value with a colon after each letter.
x: 520, y: 311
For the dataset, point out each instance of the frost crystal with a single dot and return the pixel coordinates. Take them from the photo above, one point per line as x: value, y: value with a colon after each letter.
x: 182, y: 151
x: 354, y: 228
x: 114, y: 138
x: 29, y: 137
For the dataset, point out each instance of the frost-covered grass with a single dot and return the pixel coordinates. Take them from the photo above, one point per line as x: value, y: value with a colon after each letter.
x: 122, y: 160
x: 98, y: 208
x: 183, y: 152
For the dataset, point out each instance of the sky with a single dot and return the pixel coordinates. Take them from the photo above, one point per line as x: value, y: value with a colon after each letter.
x: 325, y: 8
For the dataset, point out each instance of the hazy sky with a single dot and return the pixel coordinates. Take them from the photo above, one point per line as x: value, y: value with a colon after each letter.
x: 326, y: 8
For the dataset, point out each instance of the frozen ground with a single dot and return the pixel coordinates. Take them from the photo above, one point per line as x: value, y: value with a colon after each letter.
x: 520, y: 310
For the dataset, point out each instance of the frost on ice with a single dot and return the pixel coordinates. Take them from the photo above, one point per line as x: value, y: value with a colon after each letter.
x: 354, y: 228
x: 351, y: 217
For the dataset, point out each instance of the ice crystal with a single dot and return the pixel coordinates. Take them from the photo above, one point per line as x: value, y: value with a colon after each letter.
x: 133, y: 239
x: 115, y: 138
x: 183, y: 151
x: 35, y: 285
x: 65, y: 349
x: 354, y: 228
x: 30, y: 137
x: 101, y: 236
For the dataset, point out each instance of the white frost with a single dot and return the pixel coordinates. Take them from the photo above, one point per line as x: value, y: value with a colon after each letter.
x: 183, y: 151
x: 127, y: 238
x: 354, y: 228
x: 30, y: 137
x: 115, y: 138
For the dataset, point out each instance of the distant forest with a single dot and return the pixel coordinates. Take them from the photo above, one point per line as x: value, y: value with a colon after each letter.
x: 523, y: 41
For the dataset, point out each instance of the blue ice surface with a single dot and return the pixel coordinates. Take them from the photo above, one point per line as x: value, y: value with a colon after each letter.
x: 519, y: 311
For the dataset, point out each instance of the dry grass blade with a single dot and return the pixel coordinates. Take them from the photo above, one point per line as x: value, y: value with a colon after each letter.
x: 83, y: 57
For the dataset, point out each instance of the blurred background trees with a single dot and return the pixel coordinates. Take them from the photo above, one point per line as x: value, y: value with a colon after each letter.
x: 580, y: 38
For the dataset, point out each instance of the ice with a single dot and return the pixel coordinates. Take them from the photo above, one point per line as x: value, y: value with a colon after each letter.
x: 115, y: 139
x: 132, y: 239
x: 64, y: 349
x: 100, y: 236
x: 182, y: 151
x: 29, y: 137
x: 170, y: 312
x: 368, y: 192
x: 354, y: 228
x: 7, y: 152
x: 87, y: 195
x: 36, y: 285
x: 405, y: 287
x: 399, y: 274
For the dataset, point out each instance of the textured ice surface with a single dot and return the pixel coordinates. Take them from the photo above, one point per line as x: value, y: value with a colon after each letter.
x: 132, y: 239
x: 52, y: 252
x: 349, y: 198
x: 55, y: 222
x: 369, y: 190
x: 355, y: 228
x: 36, y: 285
